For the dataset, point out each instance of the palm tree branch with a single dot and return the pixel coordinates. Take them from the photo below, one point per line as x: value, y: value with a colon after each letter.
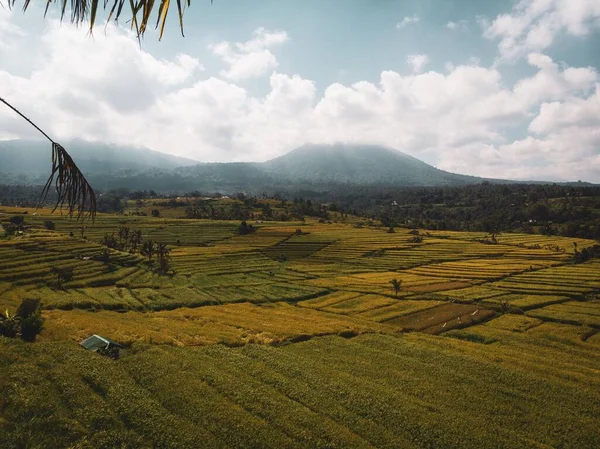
x: 72, y: 188
x: 140, y: 11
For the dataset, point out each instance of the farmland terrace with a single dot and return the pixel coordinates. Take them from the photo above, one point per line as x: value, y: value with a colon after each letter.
x: 293, y: 336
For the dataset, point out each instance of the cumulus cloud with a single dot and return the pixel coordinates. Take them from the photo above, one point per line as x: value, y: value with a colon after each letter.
x: 417, y: 62
x: 461, y: 25
x: 575, y: 112
x: 457, y: 119
x: 533, y: 25
x: 250, y: 59
x: 8, y: 30
x: 407, y: 21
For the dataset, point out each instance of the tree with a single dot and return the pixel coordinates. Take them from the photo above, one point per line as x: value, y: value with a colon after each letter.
x: 109, y: 241
x: 135, y: 239
x: 267, y: 212
x: 63, y: 275
x: 148, y: 249
x: 244, y: 228
x: 396, y: 285
x: 139, y: 12
x: 162, y: 255
x: 123, y: 236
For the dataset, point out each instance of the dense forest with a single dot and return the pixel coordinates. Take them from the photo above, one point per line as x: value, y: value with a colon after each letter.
x: 568, y: 210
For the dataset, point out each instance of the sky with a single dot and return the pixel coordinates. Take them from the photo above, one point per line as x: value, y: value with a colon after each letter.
x: 502, y: 89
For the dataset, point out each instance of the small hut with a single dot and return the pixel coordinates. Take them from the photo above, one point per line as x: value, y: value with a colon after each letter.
x: 102, y: 345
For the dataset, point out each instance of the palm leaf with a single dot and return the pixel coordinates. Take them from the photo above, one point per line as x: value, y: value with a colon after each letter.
x: 140, y: 11
x: 73, y: 191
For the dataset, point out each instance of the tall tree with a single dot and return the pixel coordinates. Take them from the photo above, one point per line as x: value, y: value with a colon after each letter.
x: 148, y: 249
x: 396, y: 285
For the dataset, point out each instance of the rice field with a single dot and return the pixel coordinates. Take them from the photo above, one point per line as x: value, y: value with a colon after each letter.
x: 294, y: 336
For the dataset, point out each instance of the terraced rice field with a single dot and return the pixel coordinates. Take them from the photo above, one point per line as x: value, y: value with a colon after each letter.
x: 287, y: 339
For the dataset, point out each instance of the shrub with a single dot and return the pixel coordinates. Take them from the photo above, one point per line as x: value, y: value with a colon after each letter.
x: 31, y: 327
x: 27, y: 322
x: 155, y: 213
x: 110, y: 241
x: 586, y: 254
x: 17, y: 220
x: 244, y: 228
x: 104, y: 256
x: 9, y: 229
x: 9, y: 326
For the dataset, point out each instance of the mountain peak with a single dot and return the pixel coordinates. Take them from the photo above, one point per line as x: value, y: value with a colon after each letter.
x: 360, y: 164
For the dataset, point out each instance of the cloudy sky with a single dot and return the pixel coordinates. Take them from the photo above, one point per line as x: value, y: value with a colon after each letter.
x: 491, y: 88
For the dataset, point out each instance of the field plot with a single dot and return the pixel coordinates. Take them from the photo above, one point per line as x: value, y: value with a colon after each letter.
x: 232, y: 324
x: 295, y: 336
x: 370, y: 391
x: 573, y: 312
x: 487, y: 269
x: 568, y: 280
x: 442, y: 318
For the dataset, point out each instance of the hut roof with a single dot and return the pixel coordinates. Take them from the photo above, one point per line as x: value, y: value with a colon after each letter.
x: 96, y: 342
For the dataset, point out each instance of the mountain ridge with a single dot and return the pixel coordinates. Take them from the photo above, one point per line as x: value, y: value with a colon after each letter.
x: 312, y: 166
x: 33, y: 157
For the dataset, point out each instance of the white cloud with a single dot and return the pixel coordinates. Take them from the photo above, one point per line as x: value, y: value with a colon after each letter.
x: 250, y: 59
x: 417, y: 62
x: 407, y: 21
x: 461, y: 25
x: 552, y: 83
x: 457, y: 119
x: 575, y: 112
x: 534, y: 24
x: 8, y: 30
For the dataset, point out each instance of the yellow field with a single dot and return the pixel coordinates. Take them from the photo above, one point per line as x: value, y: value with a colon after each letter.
x: 285, y: 339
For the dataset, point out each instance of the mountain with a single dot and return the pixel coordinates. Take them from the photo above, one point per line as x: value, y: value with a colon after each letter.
x: 312, y: 167
x: 32, y: 157
x: 360, y: 164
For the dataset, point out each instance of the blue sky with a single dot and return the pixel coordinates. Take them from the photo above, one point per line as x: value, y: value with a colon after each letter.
x: 490, y: 88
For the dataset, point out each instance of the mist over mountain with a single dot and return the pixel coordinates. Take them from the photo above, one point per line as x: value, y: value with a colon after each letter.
x: 32, y: 157
x: 360, y: 164
x: 315, y: 167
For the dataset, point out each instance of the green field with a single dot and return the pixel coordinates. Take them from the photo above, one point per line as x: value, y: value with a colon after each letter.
x: 286, y: 338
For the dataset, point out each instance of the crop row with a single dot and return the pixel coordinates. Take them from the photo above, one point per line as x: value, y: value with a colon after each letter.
x: 370, y: 391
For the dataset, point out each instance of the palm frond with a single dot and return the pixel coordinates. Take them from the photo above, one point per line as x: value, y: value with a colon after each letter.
x: 73, y: 190
x: 140, y: 11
